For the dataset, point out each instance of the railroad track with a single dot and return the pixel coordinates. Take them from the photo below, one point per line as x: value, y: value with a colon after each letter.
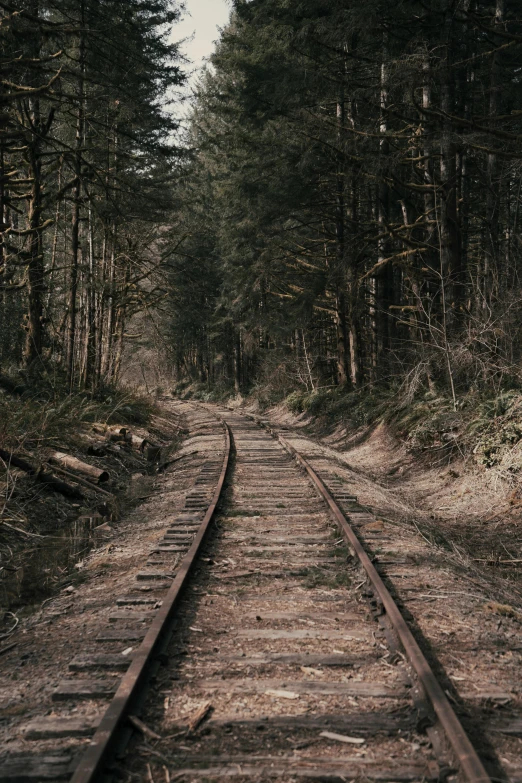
x: 127, y: 626
x: 290, y: 658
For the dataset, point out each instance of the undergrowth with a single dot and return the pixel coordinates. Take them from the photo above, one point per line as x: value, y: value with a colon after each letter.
x: 356, y: 408
x: 481, y: 427
x: 189, y: 389
x: 485, y: 427
x: 44, y: 533
x: 43, y: 413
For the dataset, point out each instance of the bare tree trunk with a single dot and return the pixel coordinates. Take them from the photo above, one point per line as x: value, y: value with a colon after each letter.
x: 100, y: 312
x: 352, y: 287
x: 118, y: 345
x: 238, y: 364
x: 77, y: 194
x: 90, y: 332
x: 111, y: 305
x: 342, y: 338
x: 340, y: 261
x: 427, y: 293
x: 383, y: 284
x: 35, y: 267
x: 54, y: 248
x: 492, y: 243
x: 450, y: 239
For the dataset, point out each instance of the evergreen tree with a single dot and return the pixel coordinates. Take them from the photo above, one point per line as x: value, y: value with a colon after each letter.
x: 89, y: 159
x: 363, y: 166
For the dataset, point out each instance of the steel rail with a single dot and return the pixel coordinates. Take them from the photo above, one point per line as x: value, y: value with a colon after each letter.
x: 465, y: 753
x: 90, y: 767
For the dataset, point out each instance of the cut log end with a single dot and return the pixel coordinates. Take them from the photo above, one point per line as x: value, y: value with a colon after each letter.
x: 72, y: 463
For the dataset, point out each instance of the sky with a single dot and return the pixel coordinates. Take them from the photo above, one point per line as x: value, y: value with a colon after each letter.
x: 201, y: 19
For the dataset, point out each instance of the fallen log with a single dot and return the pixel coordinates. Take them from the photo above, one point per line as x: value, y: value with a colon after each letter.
x: 36, y: 471
x: 50, y: 480
x: 138, y: 442
x: 117, y: 433
x: 84, y: 482
x: 69, y: 462
x: 153, y: 453
x: 109, y: 429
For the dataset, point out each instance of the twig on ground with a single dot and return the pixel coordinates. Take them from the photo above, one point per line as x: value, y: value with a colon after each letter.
x: 140, y: 726
x: 199, y: 716
x: 19, y: 530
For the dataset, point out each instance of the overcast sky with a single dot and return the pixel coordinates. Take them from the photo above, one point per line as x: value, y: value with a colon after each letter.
x: 202, y: 20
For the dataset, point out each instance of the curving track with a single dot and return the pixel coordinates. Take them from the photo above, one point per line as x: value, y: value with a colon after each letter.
x: 290, y: 658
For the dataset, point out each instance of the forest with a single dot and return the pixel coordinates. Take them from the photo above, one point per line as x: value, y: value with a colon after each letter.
x: 261, y: 391
x: 340, y: 210
x: 88, y: 156
x: 352, y: 208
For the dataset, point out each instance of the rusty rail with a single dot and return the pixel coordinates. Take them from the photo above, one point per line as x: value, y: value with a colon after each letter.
x: 465, y: 753
x: 90, y: 767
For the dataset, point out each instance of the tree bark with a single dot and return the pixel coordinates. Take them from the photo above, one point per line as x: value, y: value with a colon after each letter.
x: 492, y: 243
x: 450, y: 238
x: 90, y: 331
x: 37, y: 131
x: 35, y: 267
x: 340, y: 261
x: 238, y: 364
x: 77, y: 194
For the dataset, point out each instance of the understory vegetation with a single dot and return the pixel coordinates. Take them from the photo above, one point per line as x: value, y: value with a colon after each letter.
x: 37, y: 417
x: 49, y: 521
x: 483, y: 429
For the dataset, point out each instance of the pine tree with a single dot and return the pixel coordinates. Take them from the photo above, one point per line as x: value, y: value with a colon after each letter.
x: 347, y: 150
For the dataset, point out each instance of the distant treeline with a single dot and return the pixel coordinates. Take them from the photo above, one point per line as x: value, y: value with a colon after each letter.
x: 352, y: 212
x: 86, y: 163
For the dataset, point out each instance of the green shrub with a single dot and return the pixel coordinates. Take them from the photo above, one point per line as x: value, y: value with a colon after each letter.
x: 295, y: 401
x: 318, y: 401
